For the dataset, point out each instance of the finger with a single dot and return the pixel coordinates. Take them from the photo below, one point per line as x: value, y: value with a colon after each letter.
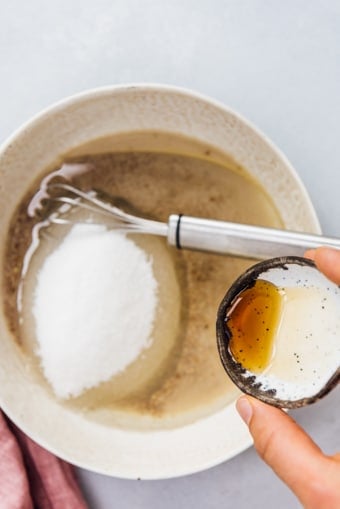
x: 310, y: 253
x: 284, y: 446
x: 327, y: 261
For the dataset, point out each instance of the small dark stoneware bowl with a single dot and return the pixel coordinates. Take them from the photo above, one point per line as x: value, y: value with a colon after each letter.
x: 238, y: 374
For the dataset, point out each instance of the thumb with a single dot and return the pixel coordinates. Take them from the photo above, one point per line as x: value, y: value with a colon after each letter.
x: 285, y: 447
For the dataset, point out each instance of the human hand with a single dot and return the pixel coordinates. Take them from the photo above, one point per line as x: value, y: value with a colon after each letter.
x: 313, y: 476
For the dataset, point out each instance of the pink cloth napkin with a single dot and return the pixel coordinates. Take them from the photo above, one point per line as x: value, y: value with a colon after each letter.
x: 31, y: 477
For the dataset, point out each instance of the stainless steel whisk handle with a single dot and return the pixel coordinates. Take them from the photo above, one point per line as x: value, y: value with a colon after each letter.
x: 241, y: 240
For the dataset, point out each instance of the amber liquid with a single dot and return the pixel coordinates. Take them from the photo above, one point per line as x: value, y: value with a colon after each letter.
x: 253, y: 321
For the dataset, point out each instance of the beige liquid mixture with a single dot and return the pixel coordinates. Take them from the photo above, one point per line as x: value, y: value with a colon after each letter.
x: 180, y: 378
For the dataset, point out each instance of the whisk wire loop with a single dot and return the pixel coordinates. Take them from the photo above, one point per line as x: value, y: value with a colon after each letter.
x: 119, y: 219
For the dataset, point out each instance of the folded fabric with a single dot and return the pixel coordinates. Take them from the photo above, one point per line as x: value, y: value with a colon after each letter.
x: 31, y: 477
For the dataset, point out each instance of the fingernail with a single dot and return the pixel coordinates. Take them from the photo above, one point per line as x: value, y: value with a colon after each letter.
x: 245, y: 409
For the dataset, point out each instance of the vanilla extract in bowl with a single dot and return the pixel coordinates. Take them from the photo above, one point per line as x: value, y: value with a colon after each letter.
x: 278, y: 331
x: 178, y: 377
x: 253, y: 321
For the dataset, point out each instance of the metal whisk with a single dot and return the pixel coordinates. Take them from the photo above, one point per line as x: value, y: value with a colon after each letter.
x: 186, y: 232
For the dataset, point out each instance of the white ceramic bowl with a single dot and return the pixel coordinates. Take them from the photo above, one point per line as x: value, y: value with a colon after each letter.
x: 72, y: 122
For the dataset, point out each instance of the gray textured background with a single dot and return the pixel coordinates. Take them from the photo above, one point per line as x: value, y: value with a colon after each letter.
x: 277, y: 63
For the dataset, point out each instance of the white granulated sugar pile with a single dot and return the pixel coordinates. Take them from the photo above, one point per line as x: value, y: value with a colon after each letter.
x: 94, y: 307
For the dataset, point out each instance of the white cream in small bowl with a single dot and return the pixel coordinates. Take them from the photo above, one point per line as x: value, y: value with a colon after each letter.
x: 278, y: 332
